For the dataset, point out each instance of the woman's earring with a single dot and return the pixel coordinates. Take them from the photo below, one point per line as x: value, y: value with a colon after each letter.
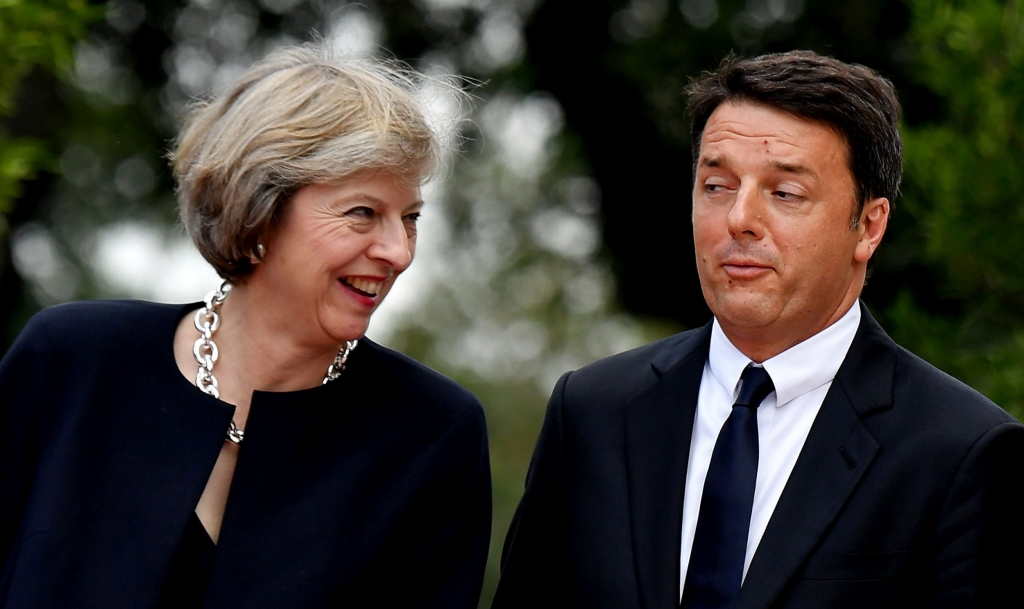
x: 256, y: 257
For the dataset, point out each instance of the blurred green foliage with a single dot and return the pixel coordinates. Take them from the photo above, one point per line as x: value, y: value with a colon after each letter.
x: 964, y: 189
x: 39, y: 32
x: 33, y: 33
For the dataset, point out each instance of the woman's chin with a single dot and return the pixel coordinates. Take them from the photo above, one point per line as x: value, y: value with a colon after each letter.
x: 342, y: 331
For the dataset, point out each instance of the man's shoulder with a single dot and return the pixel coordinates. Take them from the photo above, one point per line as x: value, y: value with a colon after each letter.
x: 617, y: 379
x: 944, y: 401
x: 902, y: 398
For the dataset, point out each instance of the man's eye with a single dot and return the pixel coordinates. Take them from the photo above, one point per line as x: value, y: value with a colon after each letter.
x: 786, y: 196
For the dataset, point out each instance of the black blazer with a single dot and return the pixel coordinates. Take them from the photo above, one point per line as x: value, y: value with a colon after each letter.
x: 372, y: 490
x: 907, y: 492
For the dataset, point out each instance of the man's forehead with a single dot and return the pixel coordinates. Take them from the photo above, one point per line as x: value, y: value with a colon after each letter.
x: 787, y: 141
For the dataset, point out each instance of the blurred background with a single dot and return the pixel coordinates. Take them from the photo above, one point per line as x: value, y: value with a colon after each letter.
x: 560, y: 232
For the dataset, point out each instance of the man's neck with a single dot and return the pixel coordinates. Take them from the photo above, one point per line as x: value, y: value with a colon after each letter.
x: 760, y: 344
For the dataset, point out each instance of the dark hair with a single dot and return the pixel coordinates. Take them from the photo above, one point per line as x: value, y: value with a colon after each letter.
x: 855, y: 101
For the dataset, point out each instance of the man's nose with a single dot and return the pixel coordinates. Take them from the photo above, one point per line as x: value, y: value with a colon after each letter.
x: 746, y: 214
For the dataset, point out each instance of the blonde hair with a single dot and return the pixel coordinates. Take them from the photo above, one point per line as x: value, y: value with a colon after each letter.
x: 299, y: 116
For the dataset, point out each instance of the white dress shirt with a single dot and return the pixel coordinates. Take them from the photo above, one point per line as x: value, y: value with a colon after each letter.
x: 802, y: 376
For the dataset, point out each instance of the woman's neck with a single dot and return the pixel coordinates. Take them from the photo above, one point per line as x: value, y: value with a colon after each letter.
x: 263, y: 346
x: 259, y: 349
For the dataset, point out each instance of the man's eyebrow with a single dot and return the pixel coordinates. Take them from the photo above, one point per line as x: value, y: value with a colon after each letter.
x: 794, y: 168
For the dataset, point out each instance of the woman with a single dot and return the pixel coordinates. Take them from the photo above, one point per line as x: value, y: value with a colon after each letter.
x: 254, y: 450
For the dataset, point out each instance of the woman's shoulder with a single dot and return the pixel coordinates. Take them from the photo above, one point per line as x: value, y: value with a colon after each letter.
x: 95, y: 323
x: 89, y: 339
x: 404, y: 377
x: 424, y: 412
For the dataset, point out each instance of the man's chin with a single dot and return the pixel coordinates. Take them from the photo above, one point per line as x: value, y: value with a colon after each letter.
x: 747, y: 310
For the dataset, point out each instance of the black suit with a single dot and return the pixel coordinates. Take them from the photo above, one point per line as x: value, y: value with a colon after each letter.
x: 372, y: 490
x: 906, y: 493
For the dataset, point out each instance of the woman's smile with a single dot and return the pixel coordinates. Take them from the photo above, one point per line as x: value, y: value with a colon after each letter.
x: 363, y: 290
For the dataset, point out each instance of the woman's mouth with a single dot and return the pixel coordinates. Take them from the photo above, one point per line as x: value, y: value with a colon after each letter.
x: 364, y: 287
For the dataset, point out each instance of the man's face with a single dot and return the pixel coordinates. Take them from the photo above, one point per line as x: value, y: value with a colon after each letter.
x: 773, y: 202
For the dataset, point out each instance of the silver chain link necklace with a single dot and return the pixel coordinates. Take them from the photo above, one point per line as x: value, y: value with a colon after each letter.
x: 207, y: 320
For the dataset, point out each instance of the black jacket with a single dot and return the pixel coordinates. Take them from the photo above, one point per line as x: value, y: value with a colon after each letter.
x: 907, y: 492
x: 372, y: 490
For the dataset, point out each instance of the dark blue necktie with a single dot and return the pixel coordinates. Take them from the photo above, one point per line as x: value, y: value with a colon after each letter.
x: 720, y: 541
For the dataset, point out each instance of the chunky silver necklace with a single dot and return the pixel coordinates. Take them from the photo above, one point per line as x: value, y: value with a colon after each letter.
x: 207, y: 320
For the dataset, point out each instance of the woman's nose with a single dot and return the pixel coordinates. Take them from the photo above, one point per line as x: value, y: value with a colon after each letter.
x: 392, y: 245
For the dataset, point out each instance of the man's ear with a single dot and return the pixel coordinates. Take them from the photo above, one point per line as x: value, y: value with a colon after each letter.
x: 874, y: 218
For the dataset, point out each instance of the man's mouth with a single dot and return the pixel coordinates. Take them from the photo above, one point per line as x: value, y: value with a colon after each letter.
x: 745, y: 269
x: 745, y: 265
x: 366, y: 287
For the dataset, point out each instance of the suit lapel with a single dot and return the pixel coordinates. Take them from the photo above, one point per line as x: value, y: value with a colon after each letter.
x: 819, y: 486
x: 658, y: 426
x: 837, y: 453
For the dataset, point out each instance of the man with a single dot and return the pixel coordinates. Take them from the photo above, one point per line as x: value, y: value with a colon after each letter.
x: 789, y: 454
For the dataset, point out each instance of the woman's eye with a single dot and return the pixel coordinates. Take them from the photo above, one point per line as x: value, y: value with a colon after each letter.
x: 361, y: 212
x: 410, y: 223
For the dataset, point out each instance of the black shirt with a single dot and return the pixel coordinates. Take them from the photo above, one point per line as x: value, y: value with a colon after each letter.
x: 189, y: 576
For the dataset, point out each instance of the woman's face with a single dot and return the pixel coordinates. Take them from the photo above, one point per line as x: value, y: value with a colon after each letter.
x: 336, y: 252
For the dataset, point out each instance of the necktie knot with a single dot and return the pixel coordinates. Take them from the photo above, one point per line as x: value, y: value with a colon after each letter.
x: 755, y: 385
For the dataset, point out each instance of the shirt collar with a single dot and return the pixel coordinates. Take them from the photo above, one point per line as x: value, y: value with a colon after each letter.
x: 797, y: 370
